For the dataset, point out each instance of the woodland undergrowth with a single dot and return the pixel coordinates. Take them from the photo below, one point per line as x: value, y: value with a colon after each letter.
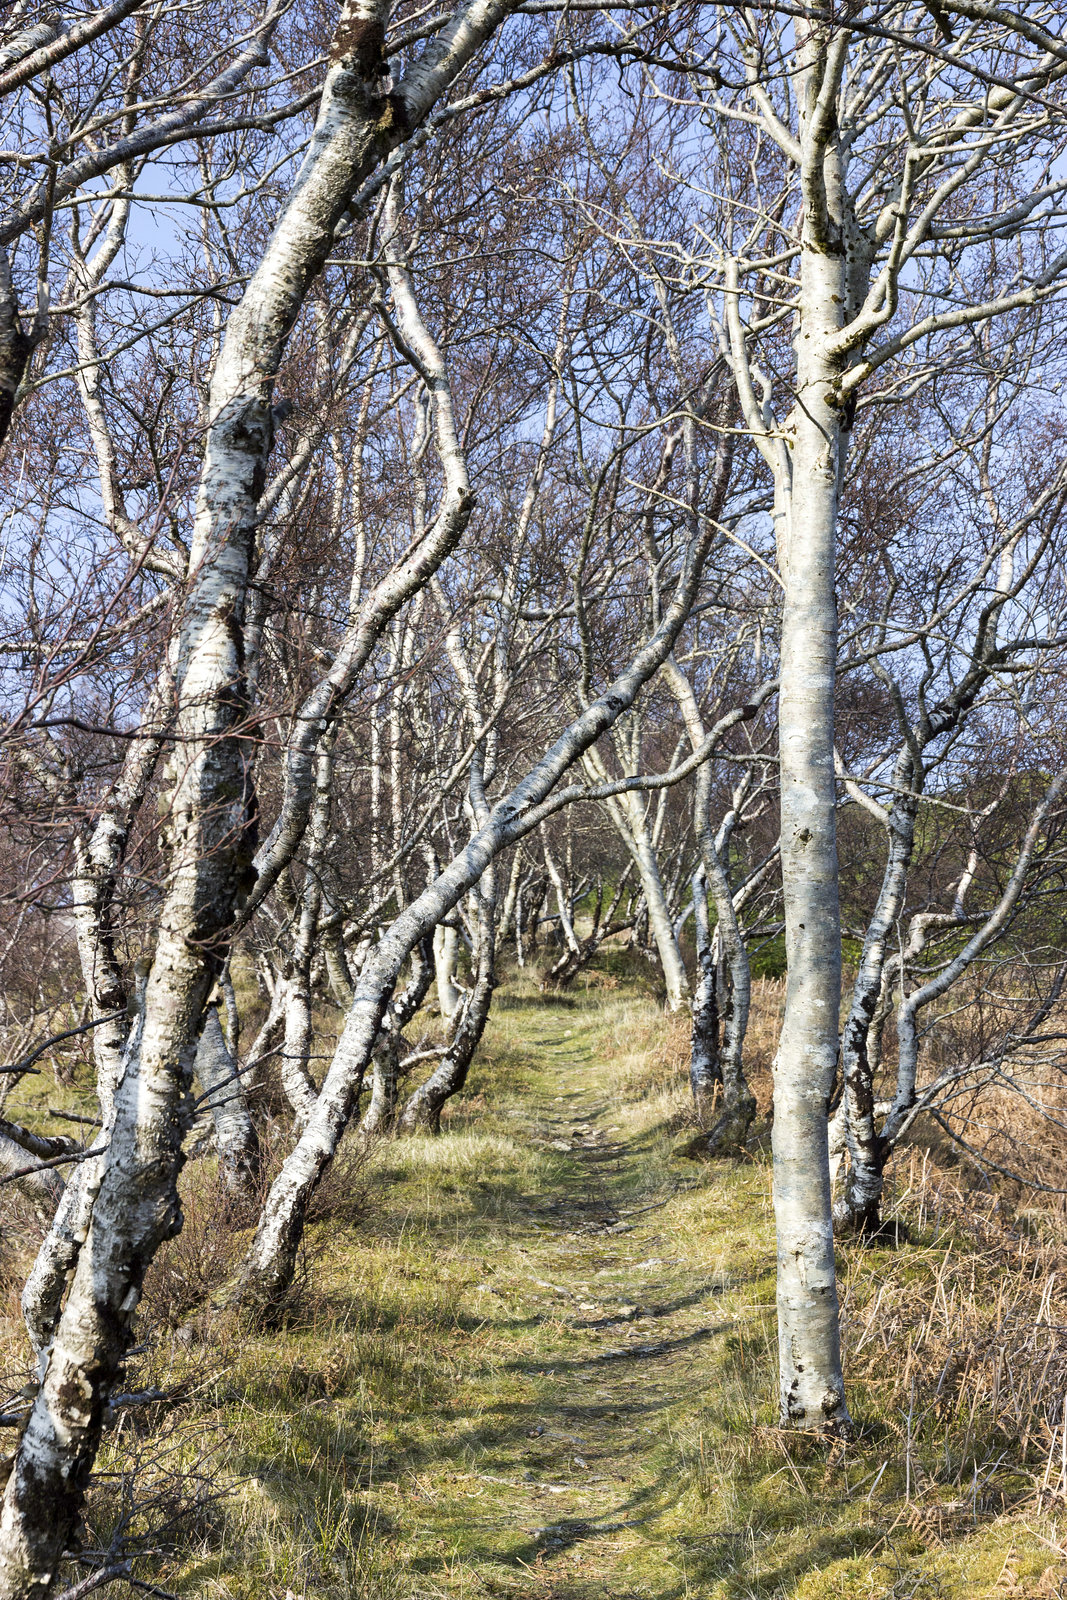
x: 535, y: 1356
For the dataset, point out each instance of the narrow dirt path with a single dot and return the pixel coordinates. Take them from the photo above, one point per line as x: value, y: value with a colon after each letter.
x: 561, y: 1460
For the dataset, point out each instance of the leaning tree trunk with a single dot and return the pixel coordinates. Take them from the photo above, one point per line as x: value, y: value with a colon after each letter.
x: 98, y: 861
x: 210, y: 812
x: 448, y: 1078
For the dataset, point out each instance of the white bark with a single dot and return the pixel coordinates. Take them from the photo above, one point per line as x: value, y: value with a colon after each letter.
x: 450, y: 1075
x: 709, y: 1063
x: 811, y: 1385
x: 98, y: 859
x: 271, y: 1261
x: 812, y: 1389
x: 445, y: 955
x: 629, y: 814
x: 448, y: 1078
x: 705, y: 1072
x: 221, y: 1080
x: 136, y: 1207
x: 381, y: 1113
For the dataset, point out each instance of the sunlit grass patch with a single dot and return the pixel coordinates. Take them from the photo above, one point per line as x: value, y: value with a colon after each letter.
x: 535, y: 1356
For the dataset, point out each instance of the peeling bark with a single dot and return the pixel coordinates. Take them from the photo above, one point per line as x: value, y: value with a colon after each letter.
x: 210, y: 824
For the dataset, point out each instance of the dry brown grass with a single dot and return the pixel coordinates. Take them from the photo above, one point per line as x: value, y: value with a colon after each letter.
x: 958, y: 1343
x: 761, y: 1041
x: 191, y: 1273
x: 651, y: 1053
x: 401, y: 1362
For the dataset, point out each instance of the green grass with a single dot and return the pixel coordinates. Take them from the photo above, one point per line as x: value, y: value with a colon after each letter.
x: 535, y: 1356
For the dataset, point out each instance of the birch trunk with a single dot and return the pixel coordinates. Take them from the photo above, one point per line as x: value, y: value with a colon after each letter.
x: 235, y: 1134
x: 709, y: 1055
x: 271, y: 1261
x: 991, y: 929
x: 568, y: 937
x: 425, y: 1105
x: 705, y: 1073
x: 809, y: 1350
x: 738, y: 1102
x: 210, y: 823
x: 98, y: 860
x: 628, y: 814
x: 381, y: 1113
x: 859, y: 1208
x: 812, y: 1388
x: 511, y: 898
x: 445, y: 955
x: 531, y: 923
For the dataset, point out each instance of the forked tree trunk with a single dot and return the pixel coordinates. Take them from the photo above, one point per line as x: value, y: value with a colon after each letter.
x: 859, y: 1207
